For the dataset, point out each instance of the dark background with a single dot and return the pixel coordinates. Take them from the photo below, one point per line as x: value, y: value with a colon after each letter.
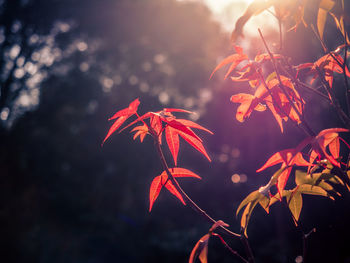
x: 68, y: 65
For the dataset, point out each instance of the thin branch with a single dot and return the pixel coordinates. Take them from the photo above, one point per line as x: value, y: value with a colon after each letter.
x: 229, y: 248
x: 275, y: 102
x: 334, y: 101
x: 193, y: 205
x: 309, y: 131
x: 344, y: 67
x: 299, y: 226
x: 325, y: 49
x: 280, y: 30
x: 301, y: 84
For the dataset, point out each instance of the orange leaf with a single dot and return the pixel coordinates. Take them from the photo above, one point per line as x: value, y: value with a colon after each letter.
x: 141, y: 131
x: 282, y: 180
x: 324, y: 139
x: 287, y: 157
x: 235, y: 59
x: 201, y: 250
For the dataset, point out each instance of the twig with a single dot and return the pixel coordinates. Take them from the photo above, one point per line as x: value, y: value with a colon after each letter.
x: 300, y: 227
x: 344, y: 67
x: 309, y: 131
x: 229, y: 248
x: 193, y: 205
x: 334, y: 101
x: 275, y: 102
x: 302, y: 84
x: 280, y: 30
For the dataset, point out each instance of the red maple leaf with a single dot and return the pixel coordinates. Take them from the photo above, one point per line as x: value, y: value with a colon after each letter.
x: 328, y: 64
x: 163, y: 180
x: 121, y: 117
x: 234, y: 59
x: 141, y: 131
x: 288, y: 158
x: 274, y: 98
x: 328, y: 138
x: 157, y: 123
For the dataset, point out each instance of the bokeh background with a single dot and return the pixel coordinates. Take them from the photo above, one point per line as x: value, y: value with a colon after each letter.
x: 68, y: 65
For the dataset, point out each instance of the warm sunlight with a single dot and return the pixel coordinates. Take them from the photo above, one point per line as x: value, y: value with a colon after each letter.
x: 228, y: 11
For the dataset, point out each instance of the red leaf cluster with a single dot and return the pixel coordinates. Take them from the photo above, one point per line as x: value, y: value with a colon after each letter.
x: 327, y: 65
x: 163, y: 180
x: 325, y: 141
x: 272, y: 96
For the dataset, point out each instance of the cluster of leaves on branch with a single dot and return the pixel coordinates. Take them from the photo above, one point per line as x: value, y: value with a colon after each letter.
x: 275, y: 83
x: 277, y: 86
x: 154, y: 124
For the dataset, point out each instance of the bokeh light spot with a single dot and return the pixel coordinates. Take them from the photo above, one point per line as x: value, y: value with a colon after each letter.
x: 235, y: 178
x: 163, y: 97
x: 4, y: 114
x: 133, y: 80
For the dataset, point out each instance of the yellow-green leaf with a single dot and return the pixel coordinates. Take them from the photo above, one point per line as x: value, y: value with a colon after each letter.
x: 264, y: 201
x: 325, y: 7
x: 251, y: 197
x: 313, y: 190
x: 295, y: 203
x: 246, y: 216
x: 200, y: 250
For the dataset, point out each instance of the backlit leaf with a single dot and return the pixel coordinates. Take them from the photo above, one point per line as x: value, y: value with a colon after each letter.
x: 155, y: 188
x: 128, y: 111
x: 254, y: 8
x: 172, y: 139
x: 200, y: 250
x: 163, y: 180
x: 140, y: 131
x: 182, y: 128
x: 313, y: 190
x: 156, y: 125
x: 247, y: 213
x: 234, y: 59
x: 115, y: 127
x: 250, y: 198
x: 198, y: 145
x: 172, y: 189
x: 182, y: 172
x: 325, y: 7
x: 192, y: 124
x: 295, y: 203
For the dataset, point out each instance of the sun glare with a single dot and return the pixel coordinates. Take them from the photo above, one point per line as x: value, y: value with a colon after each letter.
x: 226, y: 12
